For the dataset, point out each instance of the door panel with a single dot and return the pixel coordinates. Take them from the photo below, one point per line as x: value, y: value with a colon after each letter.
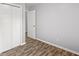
x: 16, y: 24
x: 31, y: 24
x: 10, y: 27
x: 5, y: 27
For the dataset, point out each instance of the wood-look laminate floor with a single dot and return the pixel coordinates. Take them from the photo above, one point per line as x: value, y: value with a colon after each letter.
x: 34, y: 47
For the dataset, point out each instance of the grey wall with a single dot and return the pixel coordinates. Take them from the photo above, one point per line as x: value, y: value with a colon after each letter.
x: 58, y: 23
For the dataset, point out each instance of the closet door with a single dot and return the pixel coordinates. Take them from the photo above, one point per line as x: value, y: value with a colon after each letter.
x: 5, y: 27
x: 17, y: 22
x: 10, y: 27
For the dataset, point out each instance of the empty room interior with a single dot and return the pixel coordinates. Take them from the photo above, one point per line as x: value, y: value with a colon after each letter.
x: 39, y: 29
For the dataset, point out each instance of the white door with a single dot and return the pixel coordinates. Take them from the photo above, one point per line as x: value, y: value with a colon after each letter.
x: 16, y: 25
x: 31, y: 24
x: 10, y: 27
x: 5, y: 28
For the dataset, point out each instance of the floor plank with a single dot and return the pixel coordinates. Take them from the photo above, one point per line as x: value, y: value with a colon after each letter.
x: 34, y: 47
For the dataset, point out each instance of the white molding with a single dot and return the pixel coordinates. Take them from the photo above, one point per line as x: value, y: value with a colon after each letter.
x: 22, y: 43
x: 75, y: 52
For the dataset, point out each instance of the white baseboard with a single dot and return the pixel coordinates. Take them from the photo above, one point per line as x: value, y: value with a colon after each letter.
x: 23, y: 43
x: 57, y: 46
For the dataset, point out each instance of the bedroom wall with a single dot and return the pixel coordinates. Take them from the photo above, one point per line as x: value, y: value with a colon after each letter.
x: 58, y: 23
